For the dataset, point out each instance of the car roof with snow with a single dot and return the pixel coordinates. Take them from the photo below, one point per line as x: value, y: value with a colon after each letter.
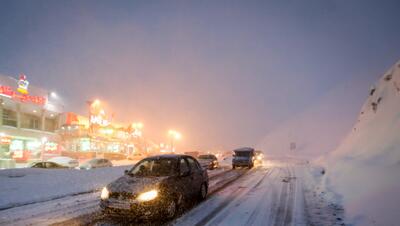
x: 246, y: 149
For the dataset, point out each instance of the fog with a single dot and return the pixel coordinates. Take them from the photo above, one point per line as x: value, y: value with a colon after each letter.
x: 224, y: 74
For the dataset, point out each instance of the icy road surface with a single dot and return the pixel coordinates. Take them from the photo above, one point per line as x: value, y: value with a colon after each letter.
x: 277, y: 193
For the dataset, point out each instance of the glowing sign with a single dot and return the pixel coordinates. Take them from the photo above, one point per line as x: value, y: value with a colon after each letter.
x: 5, y: 140
x: 99, y: 120
x: 23, y: 84
x: 7, y: 91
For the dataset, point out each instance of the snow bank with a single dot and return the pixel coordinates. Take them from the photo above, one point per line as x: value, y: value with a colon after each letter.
x: 25, y: 186
x: 365, y: 168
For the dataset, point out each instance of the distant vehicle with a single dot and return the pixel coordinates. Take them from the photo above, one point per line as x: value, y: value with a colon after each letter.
x: 194, y: 154
x: 243, y: 157
x: 47, y: 165
x: 65, y: 161
x: 136, y: 156
x: 208, y: 161
x: 96, y: 163
x: 259, y: 157
x: 156, y: 186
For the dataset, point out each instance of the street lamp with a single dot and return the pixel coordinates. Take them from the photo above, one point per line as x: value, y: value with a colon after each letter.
x: 174, y: 135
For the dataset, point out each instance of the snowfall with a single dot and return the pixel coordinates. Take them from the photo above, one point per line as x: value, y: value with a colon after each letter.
x: 357, y: 183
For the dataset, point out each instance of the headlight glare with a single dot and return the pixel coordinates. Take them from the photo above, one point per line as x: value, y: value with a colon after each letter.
x: 104, y: 194
x: 147, y: 196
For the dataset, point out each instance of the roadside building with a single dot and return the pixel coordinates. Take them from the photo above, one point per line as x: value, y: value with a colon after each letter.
x: 29, y: 117
x: 83, y: 137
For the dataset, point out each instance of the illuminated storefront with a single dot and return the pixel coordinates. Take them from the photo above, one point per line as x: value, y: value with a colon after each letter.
x: 93, y: 136
x: 29, y: 117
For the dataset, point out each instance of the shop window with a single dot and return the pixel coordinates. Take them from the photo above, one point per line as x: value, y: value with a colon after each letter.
x: 50, y: 124
x: 9, y: 118
x: 30, y: 121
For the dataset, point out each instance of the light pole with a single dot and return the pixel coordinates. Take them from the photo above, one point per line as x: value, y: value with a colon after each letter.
x: 174, y: 135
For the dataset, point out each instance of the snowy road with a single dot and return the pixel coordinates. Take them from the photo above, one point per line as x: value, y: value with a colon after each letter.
x: 265, y: 196
x: 273, y: 194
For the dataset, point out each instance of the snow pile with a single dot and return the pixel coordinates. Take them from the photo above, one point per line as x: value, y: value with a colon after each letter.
x: 365, y: 169
x: 29, y: 185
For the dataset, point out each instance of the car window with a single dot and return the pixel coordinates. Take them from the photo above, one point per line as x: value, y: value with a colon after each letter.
x: 193, y: 164
x: 184, y: 167
x: 205, y: 157
x: 155, y: 168
x: 50, y: 165
x: 37, y: 165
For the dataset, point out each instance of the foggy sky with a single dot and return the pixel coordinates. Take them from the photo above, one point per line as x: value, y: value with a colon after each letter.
x: 224, y: 73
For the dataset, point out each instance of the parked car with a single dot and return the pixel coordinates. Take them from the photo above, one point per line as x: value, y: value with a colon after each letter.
x: 208, y: 161
x: 156, y: 186
x: 65, y: 161
x: 136, y: 156
x: 47, y: 165
x: 96, y: 163
x: 243, y: 157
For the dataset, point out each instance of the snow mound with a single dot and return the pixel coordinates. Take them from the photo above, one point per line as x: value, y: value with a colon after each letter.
x: 365, y: 169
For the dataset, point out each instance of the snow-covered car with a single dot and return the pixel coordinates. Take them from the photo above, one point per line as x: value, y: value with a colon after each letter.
x: 96, y: 163
x: 47, y: 165
x: 65, y: 161
x: 156, y: 187
x: 208, y: 161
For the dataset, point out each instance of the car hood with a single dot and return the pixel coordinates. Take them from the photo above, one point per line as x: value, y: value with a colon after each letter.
x: 134, y: 185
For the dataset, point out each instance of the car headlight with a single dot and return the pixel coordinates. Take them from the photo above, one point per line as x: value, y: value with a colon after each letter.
x: 259, y: 157
x: 148, y: 196
x: 104, y: 193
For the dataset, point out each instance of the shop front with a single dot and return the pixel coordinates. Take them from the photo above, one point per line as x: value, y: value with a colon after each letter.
x: 29, y: 118
x: 84, y: 138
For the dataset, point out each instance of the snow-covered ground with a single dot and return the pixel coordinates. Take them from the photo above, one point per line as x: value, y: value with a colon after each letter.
x: 364, y: 171
x: 279, y: 192
x: 24, y: 186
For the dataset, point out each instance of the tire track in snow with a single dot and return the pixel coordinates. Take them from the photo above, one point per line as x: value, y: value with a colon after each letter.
x: 284, y: 212
x: 236, y: 195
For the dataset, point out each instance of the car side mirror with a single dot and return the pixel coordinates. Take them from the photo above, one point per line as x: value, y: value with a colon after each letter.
x: 126, y: 172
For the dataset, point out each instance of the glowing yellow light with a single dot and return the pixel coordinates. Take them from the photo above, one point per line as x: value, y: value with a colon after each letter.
x: 174, y: 134
x: 104, y: 193
x: 95, y: 102
x: 148, y: 196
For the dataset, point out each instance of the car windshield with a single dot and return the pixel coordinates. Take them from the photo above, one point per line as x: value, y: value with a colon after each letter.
x: 155, y: 168
x: 206, y: 157
x: 242, y: 153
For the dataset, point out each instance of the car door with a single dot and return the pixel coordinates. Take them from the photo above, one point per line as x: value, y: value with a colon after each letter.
x: 196, y: 175
x: 185, y: 178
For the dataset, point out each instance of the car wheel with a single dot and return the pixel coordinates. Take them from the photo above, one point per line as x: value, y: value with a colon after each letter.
x: 171, y: 209
x: 203, y: 192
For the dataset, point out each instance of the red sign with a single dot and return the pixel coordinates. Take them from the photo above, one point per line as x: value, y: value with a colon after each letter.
x: 9, y: 92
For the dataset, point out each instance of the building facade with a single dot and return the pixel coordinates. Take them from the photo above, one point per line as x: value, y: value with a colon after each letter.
x: 29, y: 119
